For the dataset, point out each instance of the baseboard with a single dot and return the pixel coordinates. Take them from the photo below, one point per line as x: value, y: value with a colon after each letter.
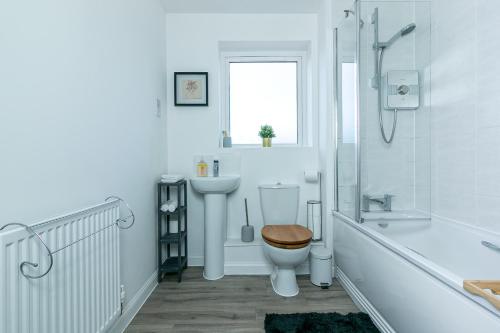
x: 135, y: 304
x: 196, y: 261
x: 363, y: 303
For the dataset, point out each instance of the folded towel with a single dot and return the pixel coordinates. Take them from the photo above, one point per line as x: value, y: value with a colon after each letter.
x: 166, y: 175
x: 171, y: 178
x: 169, y: 206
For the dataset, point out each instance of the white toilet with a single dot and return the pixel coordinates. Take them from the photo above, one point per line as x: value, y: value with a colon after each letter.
x: 287, y: 244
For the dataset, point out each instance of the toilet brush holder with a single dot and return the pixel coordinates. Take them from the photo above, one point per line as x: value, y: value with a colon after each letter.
x: 247, y: 230
x: 247, y: 233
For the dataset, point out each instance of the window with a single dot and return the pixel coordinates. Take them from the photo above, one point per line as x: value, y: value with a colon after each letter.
x: 263, y: 90
x: 348, y: 101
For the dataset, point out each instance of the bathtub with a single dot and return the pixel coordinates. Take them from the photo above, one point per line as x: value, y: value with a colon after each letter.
x: 407, y: 274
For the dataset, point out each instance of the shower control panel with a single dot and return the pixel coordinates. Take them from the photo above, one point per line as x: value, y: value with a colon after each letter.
x: 401, y: 90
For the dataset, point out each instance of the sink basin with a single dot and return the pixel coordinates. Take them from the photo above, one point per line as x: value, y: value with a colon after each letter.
x: 215, y: 191
x: 215, y: 185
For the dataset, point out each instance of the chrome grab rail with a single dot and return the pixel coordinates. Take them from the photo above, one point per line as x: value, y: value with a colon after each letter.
x: 50, y: 253
x: 490, y: 246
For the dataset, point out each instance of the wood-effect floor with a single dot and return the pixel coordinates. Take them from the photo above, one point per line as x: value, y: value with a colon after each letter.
x: 231, y: 304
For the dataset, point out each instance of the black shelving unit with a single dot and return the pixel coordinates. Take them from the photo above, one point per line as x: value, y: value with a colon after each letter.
x: 167, y: 263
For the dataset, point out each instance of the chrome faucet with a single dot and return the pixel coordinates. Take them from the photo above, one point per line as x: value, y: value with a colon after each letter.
x: 216, y: 168
x: 385, y: 202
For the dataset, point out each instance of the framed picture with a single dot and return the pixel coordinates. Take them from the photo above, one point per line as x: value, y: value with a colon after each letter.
x: 191, y: 88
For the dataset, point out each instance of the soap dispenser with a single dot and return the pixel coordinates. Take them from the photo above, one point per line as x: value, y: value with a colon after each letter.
x: 202, y: 168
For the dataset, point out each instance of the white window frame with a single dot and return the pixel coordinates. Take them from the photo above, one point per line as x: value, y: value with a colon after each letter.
x: 265, y: 57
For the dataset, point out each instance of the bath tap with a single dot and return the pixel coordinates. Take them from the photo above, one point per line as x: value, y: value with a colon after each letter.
x: 385, y: 202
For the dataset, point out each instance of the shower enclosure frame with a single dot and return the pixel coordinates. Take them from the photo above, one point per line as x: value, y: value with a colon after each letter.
x: 357, y: 115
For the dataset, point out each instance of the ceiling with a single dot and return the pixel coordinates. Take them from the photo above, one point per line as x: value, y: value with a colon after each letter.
x: 242, y: 6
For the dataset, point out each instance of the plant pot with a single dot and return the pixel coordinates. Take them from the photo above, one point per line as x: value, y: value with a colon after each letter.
x: 267, y: 142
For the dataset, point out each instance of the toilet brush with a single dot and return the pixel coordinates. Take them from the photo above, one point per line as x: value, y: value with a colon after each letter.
x: 247, y: 230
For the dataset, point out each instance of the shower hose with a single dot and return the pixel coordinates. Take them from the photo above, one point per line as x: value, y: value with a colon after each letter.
x: 379, y: 94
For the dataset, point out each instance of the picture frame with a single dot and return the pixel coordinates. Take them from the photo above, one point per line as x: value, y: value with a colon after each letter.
x: 191, y: 88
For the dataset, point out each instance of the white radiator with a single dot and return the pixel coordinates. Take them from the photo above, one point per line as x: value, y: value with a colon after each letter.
x: 81, y: 293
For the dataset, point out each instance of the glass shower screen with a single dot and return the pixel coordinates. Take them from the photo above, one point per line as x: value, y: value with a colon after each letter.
x: 378, y: 44
x: 347, y: 114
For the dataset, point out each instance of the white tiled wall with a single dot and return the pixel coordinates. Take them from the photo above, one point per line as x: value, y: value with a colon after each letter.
x: 456, y: 145
x: 422, y: 117
x: 403, y: 167
x: 466, y: 111
x: 392, y: 168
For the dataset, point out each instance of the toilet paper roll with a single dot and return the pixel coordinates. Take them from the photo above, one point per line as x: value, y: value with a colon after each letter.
x: 312, y: 176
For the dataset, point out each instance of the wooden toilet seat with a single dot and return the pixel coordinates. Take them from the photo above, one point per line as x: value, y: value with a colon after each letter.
x: 286, y: 236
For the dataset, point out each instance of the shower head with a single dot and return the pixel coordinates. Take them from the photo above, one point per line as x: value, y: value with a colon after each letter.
x: 409, y: 28
x: 401, y: 33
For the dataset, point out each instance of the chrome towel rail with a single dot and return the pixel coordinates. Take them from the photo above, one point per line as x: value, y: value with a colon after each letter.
x: 123, y: 220
x: 29, y: 263
x: 50, y: 253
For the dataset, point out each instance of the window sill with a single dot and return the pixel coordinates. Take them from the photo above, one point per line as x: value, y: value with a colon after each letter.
x: 259, y: 147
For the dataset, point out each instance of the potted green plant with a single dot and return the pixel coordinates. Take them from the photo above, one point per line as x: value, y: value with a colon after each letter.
x: 267, y: 134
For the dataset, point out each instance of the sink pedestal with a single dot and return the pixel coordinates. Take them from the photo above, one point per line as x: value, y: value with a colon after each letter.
x: 215, y: 191
x: 215, y: 231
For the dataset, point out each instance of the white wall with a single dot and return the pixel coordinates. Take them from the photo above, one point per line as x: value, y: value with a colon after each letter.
x: 464, y: 120
x: 390, y: 168
x: 402, y: 167
x: 422, y: 123
x: 78, y: 88
x: 193, y: 41
x: 465, y: 115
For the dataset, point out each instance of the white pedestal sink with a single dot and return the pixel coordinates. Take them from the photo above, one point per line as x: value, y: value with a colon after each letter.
x: 215, y: 190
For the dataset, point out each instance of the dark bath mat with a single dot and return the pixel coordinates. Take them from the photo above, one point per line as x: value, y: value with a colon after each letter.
x: 319, y: 322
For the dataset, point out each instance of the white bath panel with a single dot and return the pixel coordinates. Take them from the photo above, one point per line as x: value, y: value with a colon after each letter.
x: 403, y: 285
x: 363, y: 303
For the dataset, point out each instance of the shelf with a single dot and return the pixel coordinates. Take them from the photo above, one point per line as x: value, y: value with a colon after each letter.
x: 235, y: 242
x: 180, y: 182
x: 173, y: 237
x: 171, y: 265
x: 168, y: 241
x: 175, y: 212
